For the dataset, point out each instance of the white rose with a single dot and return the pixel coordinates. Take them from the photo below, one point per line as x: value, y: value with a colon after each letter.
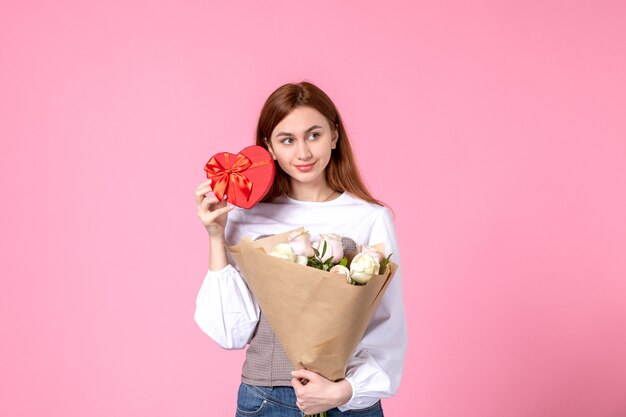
x: 334, y: 248
x: 283, y: 251
x: 301, y: 243
x: 302, y: 260
x: 362, y: 267
x: 340, y: 269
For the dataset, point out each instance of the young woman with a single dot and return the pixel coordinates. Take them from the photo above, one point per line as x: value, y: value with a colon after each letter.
x: 318, y: 187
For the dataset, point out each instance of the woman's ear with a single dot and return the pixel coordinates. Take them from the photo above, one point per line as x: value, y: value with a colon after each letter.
x: 269, y: 148
x: 333, y: 143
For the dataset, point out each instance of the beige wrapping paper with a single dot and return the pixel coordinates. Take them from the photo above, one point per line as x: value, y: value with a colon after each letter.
x: 318, y: 317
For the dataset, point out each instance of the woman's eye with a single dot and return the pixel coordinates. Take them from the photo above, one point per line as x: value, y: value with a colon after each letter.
x: 289, y: 141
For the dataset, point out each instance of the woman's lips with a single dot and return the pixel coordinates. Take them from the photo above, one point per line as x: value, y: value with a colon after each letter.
x: 304, y: 168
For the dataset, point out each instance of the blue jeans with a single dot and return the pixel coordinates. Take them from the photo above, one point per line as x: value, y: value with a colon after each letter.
x: 254, y: 401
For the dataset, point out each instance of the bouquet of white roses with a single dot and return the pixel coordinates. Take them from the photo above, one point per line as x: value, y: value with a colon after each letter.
x: 328, y: 254
x: 318, y: 319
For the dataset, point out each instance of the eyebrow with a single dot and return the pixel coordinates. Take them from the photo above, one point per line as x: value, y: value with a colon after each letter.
x: 306, y: 131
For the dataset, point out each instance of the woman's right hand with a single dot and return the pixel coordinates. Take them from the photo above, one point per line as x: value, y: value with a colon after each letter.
x: 211, y: 212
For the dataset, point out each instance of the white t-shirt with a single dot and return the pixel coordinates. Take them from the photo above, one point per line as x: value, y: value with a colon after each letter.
x: 227, y: 312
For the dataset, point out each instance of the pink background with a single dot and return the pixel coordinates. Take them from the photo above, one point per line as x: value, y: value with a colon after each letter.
x: 495, y: 130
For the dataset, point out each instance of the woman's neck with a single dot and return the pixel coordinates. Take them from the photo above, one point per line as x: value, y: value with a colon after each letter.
x: 312, y: 192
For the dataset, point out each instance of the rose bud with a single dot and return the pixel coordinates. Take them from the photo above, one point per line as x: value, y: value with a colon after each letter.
x: 342, y: 270
x: 283, y: 251
x: 362, y: 267
x: 302, y: 260
x: 334, y: 248
x: 300, y: 242
x: 371, y: 251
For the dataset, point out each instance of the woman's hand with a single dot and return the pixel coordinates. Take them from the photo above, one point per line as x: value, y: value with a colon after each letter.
x: 211, y: 212
x: 319, y: 394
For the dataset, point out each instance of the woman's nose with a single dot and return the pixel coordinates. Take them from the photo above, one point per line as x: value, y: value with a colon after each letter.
x: 304, y: 152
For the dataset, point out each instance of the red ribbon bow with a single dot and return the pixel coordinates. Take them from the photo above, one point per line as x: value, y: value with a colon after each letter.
x: 222, y: 176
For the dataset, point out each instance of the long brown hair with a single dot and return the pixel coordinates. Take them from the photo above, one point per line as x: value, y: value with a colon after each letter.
x: 342, y: 173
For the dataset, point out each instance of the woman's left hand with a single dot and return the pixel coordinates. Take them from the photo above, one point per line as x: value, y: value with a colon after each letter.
x: 319, y: 394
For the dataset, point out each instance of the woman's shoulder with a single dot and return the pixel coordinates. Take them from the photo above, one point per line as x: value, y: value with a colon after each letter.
x: 259, y: 213
x: 283, y: 207
x: 359, y: 203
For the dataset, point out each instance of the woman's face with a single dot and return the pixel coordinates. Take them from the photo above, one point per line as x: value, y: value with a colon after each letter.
x: 302, y: 143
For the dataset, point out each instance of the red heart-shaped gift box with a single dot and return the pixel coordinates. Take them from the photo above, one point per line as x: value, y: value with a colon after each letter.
x: 244, y: 178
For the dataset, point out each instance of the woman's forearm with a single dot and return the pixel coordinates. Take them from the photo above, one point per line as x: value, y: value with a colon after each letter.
x: 218, y: 258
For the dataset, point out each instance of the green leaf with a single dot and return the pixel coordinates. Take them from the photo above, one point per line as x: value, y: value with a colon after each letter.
x: 344, y: 261
x: 353, y: 282
x: 324, y: 249
x: 383, y: 265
